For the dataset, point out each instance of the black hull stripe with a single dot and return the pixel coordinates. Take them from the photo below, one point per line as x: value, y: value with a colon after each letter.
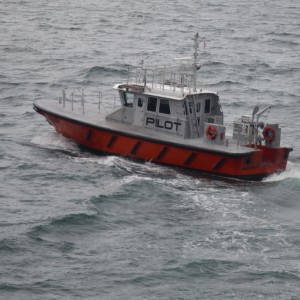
x: 254, y: 177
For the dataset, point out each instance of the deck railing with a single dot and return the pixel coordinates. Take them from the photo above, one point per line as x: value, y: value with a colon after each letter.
x: 76, y: 96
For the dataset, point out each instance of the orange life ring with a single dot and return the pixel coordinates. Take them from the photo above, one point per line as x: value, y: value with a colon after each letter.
x: 211, y: 132
x: 269, y: 134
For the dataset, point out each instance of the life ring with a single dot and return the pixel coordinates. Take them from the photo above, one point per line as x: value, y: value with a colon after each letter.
x: 211, y: 132
x: 269, y: 134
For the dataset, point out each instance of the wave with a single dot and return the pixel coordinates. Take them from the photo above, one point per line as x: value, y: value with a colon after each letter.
x: 105, y: 71
x: 214, y: 64
x: 28, y: 114
x: 225, y: 83
x: 8, y: 246
x: 13, y: 84
x: 277, y: 275
x: 16, y: 49
x: 285, y: 43
x: 284, y: 34
x: 251, y: 39
x: 235, y: 104
x: 205, y: 268
x: 61, y: 225
x: 46, y: 26
x: 55, y: 141
x: 74, y: 220
x: 292, y: 172
x: 258, y: 66
x: 131, y: 173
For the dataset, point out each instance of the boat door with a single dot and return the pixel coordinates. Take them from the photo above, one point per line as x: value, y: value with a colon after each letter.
x: 194, y: 114
x: 139, y: 109
x: 128, y: 100
x: 198, y: 115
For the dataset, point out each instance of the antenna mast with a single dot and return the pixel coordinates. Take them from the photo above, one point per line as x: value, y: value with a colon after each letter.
x: 195, y: 67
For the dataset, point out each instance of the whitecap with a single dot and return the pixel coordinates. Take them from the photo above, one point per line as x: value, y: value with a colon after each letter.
x: 54, y: 141
x: 292, y: 171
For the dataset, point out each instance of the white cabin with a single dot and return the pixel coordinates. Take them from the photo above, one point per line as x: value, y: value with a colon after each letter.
x: 169, y: 108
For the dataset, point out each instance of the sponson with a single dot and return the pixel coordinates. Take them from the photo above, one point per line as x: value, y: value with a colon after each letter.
x: 165, y: 118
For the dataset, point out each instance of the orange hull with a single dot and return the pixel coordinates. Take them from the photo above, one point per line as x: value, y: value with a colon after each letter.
x: 243, y: 166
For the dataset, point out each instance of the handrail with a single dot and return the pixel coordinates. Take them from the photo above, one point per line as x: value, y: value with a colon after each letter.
x: 78, y: 96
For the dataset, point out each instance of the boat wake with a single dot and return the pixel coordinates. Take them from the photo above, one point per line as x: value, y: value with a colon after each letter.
x: 55, y: 141
x: 292, y: 171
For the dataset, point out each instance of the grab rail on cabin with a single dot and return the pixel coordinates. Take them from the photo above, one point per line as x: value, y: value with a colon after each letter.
x: 171, y: 78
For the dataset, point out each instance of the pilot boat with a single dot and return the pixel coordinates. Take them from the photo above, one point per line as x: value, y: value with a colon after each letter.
x: 163, y: 117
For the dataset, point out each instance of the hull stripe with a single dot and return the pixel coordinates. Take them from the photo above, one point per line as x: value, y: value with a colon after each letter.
x: 190, y: 158
x: 219, y: 164
x: 135, y: 147
x: 88, y: 135
x: 111, y: 141
x: 162, y: 153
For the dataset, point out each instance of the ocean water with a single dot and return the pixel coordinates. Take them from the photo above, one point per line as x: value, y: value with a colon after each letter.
x: 74, y: 225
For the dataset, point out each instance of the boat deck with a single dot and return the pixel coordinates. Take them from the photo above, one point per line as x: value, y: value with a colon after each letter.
x: 96, y: 118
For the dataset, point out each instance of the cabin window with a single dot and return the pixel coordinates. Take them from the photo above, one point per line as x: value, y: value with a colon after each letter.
x: 164, y: 106
x: 128, y: 99
x: 152, y: 102
x: 207, y: 106
x: 140, y: 102
x: 198, y: 107
x: 211, y: 120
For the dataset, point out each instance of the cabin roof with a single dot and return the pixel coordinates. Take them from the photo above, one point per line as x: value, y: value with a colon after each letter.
x: 161, y: 91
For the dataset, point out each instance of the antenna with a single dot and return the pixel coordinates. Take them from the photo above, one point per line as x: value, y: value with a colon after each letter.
x: 255, y: 111
x: 196, y: 48
x: 197, y: 42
